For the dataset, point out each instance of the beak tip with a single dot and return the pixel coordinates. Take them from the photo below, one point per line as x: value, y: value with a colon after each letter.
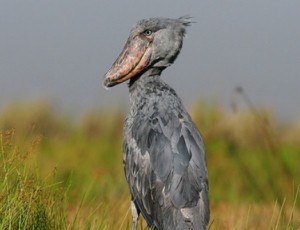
x: 107, y: 83
x: 106, y: 88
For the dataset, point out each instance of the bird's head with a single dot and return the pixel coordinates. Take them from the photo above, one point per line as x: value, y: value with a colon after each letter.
x: 152, y: 43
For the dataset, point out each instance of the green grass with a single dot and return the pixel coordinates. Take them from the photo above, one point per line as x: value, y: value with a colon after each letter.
x: 27, y: 202
x: 57, y: 173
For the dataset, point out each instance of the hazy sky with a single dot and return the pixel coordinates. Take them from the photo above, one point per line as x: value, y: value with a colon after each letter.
x: 61, y: 49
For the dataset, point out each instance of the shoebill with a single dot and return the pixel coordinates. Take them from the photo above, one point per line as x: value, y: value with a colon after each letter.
x: 163, y: 151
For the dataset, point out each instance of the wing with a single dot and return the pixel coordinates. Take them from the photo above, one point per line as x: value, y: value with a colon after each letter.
x: 169, y: 169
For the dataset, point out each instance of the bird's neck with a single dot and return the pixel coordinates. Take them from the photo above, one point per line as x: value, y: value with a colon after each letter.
x: 144, y: 77
x: 140, y: 82
x: 145, y: 83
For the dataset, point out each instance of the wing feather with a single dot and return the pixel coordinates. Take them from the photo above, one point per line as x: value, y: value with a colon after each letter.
x: 170, y: 168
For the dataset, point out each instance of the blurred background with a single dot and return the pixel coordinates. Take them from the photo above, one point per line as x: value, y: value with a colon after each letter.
x: 60, y: 50
x: 61, y: 131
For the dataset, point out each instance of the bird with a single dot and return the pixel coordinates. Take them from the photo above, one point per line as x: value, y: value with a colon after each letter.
x: 163, y: 151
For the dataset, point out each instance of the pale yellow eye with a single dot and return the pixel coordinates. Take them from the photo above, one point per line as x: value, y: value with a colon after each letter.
x: 147, y: 32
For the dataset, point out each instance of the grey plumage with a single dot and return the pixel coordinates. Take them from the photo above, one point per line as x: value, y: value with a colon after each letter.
x: 164, y: 157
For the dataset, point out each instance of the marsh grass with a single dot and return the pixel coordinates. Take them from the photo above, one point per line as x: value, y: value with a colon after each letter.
x: 56, y: 173
x: 26, y: 201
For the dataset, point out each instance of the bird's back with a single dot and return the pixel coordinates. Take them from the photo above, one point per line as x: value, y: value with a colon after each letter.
x: 164, y: 160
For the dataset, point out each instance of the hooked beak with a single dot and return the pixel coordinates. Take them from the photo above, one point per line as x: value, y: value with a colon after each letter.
x: 134, y: 58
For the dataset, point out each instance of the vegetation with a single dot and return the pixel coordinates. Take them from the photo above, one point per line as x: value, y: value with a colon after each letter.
x: 57, y: 173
